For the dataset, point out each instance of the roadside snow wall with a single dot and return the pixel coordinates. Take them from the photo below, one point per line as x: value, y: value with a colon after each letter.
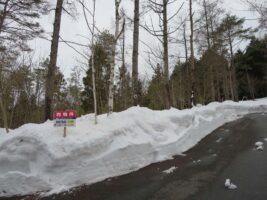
x: 36, y: 158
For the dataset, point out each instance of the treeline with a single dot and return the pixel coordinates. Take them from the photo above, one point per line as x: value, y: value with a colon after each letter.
x: 23, y: 89
x: 211, y: 68
x: 212, y: 81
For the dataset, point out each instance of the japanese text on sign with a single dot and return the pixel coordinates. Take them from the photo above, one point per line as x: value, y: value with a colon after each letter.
x: 65, y: 118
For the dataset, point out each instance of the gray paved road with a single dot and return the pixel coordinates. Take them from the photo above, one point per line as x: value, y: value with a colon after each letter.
x: 226, y: 153
x: 248, y: 170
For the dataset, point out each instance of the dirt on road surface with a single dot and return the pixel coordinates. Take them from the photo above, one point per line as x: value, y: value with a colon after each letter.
x: 199, y: 174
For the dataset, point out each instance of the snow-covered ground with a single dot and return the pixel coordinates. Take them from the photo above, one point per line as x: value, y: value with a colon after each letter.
x: 35, y: 157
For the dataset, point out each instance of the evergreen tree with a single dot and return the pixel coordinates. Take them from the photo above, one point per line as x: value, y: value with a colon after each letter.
x: 103, y: 52
x: 252, y: 70
x: 231, y: 30
x: 155, y: 94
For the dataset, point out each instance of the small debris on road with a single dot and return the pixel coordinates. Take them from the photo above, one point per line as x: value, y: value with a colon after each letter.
x: 258, y: 143
x: 229, y: 185
x: 196, y: 161
x: 232, y: 186
x: 227, y: 182
x: 171, y: 170
x: 219, y: 140
x: 259, y: 146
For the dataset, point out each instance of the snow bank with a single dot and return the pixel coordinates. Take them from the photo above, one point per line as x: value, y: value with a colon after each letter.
x: 2, y: 131
x: 35, y: 157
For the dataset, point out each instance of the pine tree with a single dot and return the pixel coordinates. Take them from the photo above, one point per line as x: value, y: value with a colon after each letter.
x: 17, y: 25
x: 53, y: 61
x: 103, y: 58
x: 155, y: 93
x: 231, y: 30
x: 135, y: 52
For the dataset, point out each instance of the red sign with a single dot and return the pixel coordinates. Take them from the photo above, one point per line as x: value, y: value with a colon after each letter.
x: 68, y: 114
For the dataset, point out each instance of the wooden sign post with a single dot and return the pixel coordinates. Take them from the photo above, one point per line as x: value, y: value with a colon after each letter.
x: 65, y: 119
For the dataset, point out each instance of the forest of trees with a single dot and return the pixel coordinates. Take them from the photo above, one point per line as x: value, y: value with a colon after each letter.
x: 212, y: 68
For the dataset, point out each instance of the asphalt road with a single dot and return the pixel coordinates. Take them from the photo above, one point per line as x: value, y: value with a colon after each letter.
x: 228, y: 152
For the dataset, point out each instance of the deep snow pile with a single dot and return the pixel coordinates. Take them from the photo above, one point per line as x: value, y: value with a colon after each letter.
x: 35, y: 157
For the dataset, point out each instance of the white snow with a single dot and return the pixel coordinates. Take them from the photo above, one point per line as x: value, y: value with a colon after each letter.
x: 2, y: 131
x: 35, y: 157
x: 232, y: 186
x: 229, y: 185
x: 219, y: 140
x: 170, y: 170
x: 259, y: 146
x: 258, y: 143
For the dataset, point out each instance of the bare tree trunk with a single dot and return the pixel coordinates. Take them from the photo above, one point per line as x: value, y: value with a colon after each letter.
x: 94, y: 86
x: 50, y: 80
x: 212, y: 31
x: 251, y: 90
x: 13, y: 109
x: 166, y: 56
x: 226, y: 83
x: 181, y: 92
x: 2, y: 106
x: 207, y: 23
x: 3, y: 15
x: 135, y: 53
x: 209, y: 45
x: 100, y: 104
x: 111, y: 79
x: 123, y: 94
x: 217, y: 82
x: 93, y: 62
x: 92, y: 48
x: 231, y: 70
x: 185, y: 43
x: 231, y: 83
x: 192, y: 59
x: 212, y: 82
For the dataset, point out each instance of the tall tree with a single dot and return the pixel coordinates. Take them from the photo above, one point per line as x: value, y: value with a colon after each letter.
x: 103, y: 53
x: 5, y: 63
x: 92, y: 29
x: 117, y: 35
x: 261, y: 8
x: 93, y: 59
x: 192, y: 57
x: 166, y: 53
x: 18, y: 25
x: 155, y: 92
x: 231, y: 30
x: 162, y: 34
x: 53, y: 61
x: 251, y: 70
x: 135, y: 52
x: 18, y: 19
x: 209, y: 19
x: 210, y: 12
x: 74, y: 89
x: 185, y: 42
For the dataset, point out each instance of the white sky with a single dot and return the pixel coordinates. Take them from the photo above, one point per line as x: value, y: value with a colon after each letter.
x: 76, y: 30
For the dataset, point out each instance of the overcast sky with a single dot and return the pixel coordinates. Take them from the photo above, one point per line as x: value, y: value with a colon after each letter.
x: 76, y: 30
